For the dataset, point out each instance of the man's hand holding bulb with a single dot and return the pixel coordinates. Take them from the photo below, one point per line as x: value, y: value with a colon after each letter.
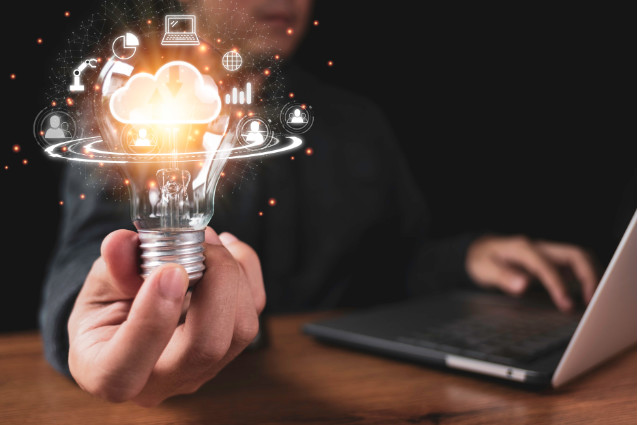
x: 125, y: 340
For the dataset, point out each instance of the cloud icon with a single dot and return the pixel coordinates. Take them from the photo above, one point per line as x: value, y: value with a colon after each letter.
x: 177, y: 94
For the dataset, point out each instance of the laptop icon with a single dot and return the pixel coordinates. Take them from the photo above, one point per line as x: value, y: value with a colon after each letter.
x: 179, y: 30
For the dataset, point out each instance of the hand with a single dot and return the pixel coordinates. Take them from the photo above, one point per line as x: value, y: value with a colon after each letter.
x: 508, y: 263
x: 125, y: 342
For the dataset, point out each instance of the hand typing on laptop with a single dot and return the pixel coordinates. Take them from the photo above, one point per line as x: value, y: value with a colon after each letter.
x: 510, y: 264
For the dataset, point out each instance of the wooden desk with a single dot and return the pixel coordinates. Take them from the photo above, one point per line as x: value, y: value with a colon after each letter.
x: 297, y: 380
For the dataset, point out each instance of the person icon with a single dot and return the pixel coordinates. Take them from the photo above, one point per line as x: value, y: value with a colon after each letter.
x: 254, y: 135
x: 65, y: 128
x: 54, y: 131
x: 297, y: 117
x: 142, y: 139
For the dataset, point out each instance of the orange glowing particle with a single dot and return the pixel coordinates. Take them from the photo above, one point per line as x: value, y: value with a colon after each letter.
x: 126, y: 181
x: 96, y: 87
x: 240, y: 114
x: 207, y: 68
x: 291, y: 95
x: 16, y: 148
x: 277, y: 57
x: 315, y: 23
x: 101, y: 164
x: 99, y: 60
x: 250, y: 114
x: 289, y: 31
x: 39, y: 40
x: 41, y: 133
x: 6, y: 167
x: 303, y: 106
x: 25, y: 162
x: 266, y: 71
x: 82, y: 196
x: 261, y: 213
x: 149, y: 22
x: 201, y: 164
x: 64, y: 148
x: 219, y: 40
x: 67, y: 14
x: 12, y: 76
x: 69, y: 101
x: 330, y: 63
x: 292, y: 158
x: 235, y: 49
x: 202, y: 48
x: 223, y: 174
x: 272, y: 202
x: 151, y: 184
x: 54, y: 103
x: 61, y: 202
x: 221, y: 82
x: 309, y: 151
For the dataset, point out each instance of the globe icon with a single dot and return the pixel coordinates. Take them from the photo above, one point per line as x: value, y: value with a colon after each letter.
x: 231, y: 61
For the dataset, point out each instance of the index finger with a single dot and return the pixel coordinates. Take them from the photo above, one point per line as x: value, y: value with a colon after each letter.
x: 525, y: 255
x: 577, y: 260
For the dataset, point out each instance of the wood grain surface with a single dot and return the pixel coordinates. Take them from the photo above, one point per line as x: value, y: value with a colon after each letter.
x: 298, y: 380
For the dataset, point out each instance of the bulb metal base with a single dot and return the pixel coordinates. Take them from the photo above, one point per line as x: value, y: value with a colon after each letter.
x: 161, y: 247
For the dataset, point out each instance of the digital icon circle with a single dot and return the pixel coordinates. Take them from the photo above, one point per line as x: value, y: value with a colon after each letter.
x: 140, y: 139
x: 232, y: 61
x: 297, y: 117
x: 52, y: 126
x: 253, y: 132
x: 125, y: 46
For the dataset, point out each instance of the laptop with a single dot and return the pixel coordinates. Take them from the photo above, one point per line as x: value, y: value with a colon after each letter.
x: 514, y: 339
x: 180, y: 30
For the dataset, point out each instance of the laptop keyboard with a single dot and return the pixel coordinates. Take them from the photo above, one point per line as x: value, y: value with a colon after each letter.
x: 505, y: 337
x: 180, y: 37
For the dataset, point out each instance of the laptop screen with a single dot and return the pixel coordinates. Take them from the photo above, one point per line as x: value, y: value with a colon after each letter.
x: 179, y: 24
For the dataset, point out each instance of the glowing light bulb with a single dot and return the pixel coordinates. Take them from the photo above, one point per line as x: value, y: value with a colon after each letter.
x: 174, y: 136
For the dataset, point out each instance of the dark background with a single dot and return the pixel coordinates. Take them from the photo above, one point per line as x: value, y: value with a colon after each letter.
x: 515, y: 118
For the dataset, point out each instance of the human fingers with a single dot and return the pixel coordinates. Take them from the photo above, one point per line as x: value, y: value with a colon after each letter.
x: 208, y: 328
x: 249, y: 261
x: 121, y: 368
x: 577, y: 260
x: 120, y: 254
x: 196, y: 362
x: 493, y: 273
x: 521, y: 252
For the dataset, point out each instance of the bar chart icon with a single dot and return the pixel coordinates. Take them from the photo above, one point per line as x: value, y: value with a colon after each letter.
x: 239, y: 96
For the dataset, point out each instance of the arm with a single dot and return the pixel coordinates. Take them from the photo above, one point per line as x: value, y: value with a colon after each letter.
x: 85, y: 223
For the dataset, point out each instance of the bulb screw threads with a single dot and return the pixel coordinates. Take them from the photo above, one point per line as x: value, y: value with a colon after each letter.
x: 183, y: 247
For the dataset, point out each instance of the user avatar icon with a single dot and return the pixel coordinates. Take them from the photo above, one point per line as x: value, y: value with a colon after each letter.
x: 255, y: 134
x: 296, y: 117
x: 142, y: 139
x: 57, y: 129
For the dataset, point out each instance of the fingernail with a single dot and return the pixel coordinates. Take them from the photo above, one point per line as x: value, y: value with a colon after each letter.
x: 172, y: 283
x: 227, y: 238
x: 567, y: 304
x: 518, y: 283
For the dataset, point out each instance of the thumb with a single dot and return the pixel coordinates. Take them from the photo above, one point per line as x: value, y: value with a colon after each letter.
x: 120, y: 251
x: 502, y: 276
x: 132, y: 353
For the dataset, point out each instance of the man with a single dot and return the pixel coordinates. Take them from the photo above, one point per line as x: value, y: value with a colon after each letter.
x: 349, y: 229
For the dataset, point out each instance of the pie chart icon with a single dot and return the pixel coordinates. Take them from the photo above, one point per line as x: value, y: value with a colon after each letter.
x: 125, y: 46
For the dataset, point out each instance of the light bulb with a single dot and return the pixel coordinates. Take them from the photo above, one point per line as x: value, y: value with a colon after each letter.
x: 161, y: 112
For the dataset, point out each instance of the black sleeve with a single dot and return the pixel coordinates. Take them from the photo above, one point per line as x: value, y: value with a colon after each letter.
x: 85, y: 223
x: 435, y: 265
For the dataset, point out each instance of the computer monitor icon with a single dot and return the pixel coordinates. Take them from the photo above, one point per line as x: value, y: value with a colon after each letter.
x: 180, y: 30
